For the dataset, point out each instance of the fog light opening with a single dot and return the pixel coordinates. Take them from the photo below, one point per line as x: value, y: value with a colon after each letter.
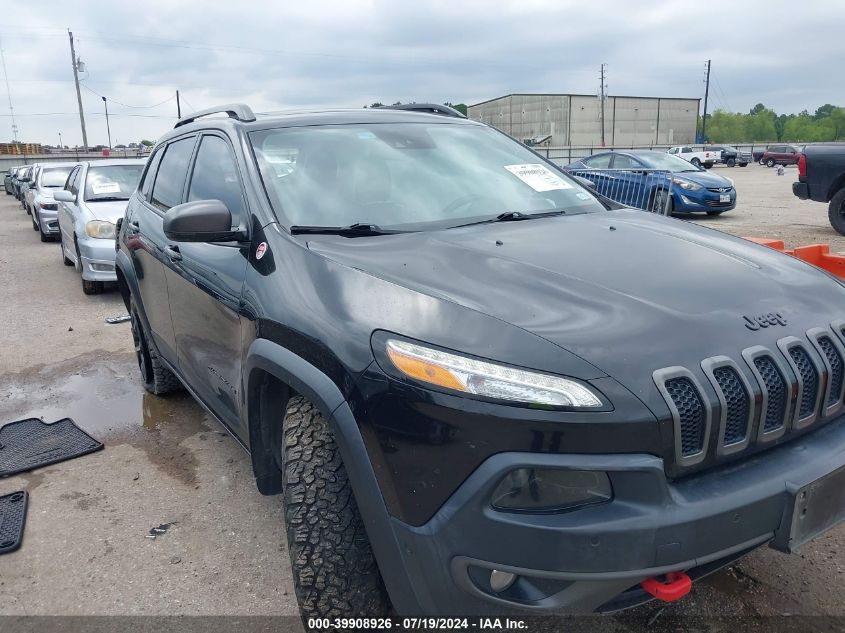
x: 501, y: 580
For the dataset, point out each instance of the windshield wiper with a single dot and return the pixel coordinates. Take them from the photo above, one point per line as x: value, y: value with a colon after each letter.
x: 106, y: 199
x: 359, y: 229
x: 515, y: 216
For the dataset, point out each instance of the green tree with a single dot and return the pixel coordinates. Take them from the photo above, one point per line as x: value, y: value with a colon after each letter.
x: 147, y: 143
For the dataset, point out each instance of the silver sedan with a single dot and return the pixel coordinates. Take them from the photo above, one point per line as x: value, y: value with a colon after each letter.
x: 92, y: 201
x: 39, y: 201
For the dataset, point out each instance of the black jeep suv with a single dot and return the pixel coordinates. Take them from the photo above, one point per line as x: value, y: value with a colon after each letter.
x: 479, y: 387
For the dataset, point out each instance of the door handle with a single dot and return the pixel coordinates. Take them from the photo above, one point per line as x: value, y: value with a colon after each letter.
x: 173, y: 253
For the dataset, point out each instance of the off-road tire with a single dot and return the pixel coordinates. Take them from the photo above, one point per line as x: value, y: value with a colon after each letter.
x: 731, y: 162
x: 334, y: 570
x: 836, y: 211
x: 157, y: 378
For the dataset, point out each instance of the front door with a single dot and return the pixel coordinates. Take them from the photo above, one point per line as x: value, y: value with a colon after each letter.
x: 162, y: 188
x: 205, y: 280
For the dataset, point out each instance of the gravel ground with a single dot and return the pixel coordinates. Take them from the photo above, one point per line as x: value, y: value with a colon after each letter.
x: 86, y: 550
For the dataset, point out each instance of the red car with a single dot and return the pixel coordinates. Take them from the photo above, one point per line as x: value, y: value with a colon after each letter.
x: 780, y: 155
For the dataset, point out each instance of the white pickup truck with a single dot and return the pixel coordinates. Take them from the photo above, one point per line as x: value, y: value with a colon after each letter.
x: 696, y: 155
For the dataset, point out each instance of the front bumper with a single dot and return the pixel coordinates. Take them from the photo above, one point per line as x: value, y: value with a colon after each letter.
x: 702, y: 201
x: 97, y: 259
x: 594, y: 558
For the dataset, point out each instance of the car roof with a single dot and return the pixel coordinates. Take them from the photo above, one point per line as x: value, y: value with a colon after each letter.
x: 58, y: 164
x: 303, y: 118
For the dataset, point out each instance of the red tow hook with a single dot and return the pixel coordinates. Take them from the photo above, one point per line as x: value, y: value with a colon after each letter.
x: 675, y: 587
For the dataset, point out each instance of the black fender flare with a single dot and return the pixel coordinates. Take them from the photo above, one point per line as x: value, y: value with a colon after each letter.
x: 307, y: 380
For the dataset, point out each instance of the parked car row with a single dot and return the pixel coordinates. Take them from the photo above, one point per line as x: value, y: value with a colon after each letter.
x: 78, y: 204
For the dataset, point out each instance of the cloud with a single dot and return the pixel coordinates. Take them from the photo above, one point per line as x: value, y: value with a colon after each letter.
x: 278, y: 55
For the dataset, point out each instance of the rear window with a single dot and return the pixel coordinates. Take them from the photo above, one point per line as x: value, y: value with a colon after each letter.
x: 55, y: 177
x: 112, y: 182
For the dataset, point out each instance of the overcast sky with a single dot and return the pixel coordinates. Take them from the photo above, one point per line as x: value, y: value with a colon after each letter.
x: 309, y: 53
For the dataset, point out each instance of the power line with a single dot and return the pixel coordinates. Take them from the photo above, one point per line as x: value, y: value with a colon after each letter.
x: 126, y: 105
x: 9, y: 94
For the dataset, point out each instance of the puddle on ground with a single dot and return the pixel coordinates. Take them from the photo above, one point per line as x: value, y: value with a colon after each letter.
x: 103, y: 394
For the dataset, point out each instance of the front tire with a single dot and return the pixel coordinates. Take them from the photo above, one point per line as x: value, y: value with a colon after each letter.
x: 92, y: 287
x: 157, y: 378
x: 34, y: 222
x: 836, y: 211
x: 335, y: 573
x: 662, y: 203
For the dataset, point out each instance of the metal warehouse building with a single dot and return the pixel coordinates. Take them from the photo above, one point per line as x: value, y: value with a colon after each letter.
x: 576, y: 119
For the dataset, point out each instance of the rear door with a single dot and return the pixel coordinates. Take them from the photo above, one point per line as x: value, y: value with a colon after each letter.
x: 205, y: 281
x: 163, y: 187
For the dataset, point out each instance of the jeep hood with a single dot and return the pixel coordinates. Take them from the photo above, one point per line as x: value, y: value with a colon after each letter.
x: 628, y: 291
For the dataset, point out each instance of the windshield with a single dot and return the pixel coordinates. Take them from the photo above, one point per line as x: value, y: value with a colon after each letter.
x: 112, y: 182
x: 668, y: 162
x: 407, y: 176
x: 55, y: 177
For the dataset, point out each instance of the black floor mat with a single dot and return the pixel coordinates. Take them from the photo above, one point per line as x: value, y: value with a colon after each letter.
x: 32, y: 443
x: 12, y: 518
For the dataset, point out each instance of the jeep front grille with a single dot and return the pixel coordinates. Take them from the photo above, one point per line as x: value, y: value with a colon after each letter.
x: 736, y: 401
x: 691, y: 412
x: 775, y: 386
x: 810, y: 376
x: 745, y: 405
x: 836, y: 368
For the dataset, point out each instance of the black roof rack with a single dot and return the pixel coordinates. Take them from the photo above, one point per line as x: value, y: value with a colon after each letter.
x: 237, y: 111
x: 431, y: 108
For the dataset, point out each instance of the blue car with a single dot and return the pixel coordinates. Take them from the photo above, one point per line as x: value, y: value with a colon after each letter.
x: 656, y: 181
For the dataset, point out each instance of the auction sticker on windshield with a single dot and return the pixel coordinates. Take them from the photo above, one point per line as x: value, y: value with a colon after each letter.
x: 105, y: 187
x: 538, y: 177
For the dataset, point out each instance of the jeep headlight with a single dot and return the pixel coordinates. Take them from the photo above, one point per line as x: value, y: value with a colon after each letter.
x: 100, y: 229
x: 459, y: 373
x: 686, y: 184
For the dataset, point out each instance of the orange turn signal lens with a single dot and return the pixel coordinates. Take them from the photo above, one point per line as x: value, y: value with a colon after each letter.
x: 423, y: 370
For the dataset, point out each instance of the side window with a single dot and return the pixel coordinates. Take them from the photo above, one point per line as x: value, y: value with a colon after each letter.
x: 602, y: 161
x: 686, y: 150
x: 70, y: 177
x: 172, y: 171
x: 149, y: 176
x: 215, y: 176
x: 674, y: 150
x: 620, y: 161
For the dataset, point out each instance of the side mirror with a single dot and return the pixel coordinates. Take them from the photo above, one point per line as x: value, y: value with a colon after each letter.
x: 63, y: 195
x: 585, y: 182
x: 200, y: 221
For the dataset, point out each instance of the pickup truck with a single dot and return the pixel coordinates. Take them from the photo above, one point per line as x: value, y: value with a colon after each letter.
x: 696, y: 155
x: 821, y: 177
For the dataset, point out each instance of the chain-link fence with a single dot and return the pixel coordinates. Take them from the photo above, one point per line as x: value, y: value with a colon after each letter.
x: 646, y: 189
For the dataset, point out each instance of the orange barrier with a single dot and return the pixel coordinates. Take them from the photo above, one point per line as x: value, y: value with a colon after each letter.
x: 816, y: 254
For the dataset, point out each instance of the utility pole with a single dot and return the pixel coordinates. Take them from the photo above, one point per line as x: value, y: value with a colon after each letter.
x: 108, y: 129
x: 706, y: 94
x: 178, y: 106
x: 61, y: 147
x: 75, y: 64
x: 603, y: 86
